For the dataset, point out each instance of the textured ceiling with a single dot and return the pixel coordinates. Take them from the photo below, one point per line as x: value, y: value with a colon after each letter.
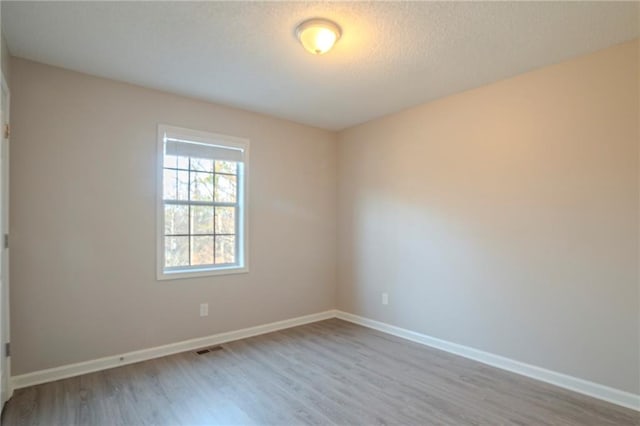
x: 392, y: 55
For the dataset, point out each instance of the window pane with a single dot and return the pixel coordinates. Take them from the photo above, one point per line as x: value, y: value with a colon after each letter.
x: 176, y: 219
x: 176, y: 251
x: 201, y: 250
x: 226, y: 188
x: 169, y: 184
x: 225, y: 249
x: 225, y: 220
x: 201, y: 186
x: 183, y: 185
x: 170, y: 161
x: 183, y: 163
x: 202, y: 220
x: 201, y: 203
x: 226, y: 167
x: 202, y: 165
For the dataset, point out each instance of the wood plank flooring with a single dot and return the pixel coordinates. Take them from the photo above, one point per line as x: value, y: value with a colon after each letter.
x: 329, y: 372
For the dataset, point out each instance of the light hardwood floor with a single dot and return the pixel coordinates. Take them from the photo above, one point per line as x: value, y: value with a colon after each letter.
x: 329, y: 372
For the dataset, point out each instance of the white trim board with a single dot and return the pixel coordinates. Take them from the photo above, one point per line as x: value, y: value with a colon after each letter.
x: 585, y: 387
x: 71, y: 370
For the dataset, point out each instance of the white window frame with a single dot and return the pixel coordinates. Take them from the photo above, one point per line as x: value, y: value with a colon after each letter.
x: 243, y: 198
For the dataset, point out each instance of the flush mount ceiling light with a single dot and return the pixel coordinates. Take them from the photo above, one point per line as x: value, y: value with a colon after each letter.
x: 318, y: 35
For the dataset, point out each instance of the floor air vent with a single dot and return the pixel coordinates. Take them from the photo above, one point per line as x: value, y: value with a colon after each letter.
x: 211, y: 349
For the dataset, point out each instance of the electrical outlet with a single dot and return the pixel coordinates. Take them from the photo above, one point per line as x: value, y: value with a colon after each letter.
x: 204, y: 309
x: 385, y: 298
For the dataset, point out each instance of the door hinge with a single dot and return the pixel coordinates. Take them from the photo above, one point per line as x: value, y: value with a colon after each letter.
x: 7, y: 131
x: 6, y: 241
x: 7, y: 349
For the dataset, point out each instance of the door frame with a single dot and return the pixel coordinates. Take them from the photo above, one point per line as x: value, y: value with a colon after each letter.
x: 6, y: 390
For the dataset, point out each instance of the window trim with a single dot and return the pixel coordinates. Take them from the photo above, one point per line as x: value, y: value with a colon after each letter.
x: 243, y: 196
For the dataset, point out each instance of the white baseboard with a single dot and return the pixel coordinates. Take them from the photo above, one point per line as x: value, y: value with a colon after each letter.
x: 615, y: 396
x: 65, y: 371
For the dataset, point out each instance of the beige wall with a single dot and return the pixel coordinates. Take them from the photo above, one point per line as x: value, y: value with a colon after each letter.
x: 505, y: 218
x: 83, y: 170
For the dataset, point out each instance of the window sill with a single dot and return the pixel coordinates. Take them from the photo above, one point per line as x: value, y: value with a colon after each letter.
x: 196, y: 273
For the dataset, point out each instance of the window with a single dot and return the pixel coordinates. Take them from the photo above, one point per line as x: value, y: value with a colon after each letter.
x: 202, y: 227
